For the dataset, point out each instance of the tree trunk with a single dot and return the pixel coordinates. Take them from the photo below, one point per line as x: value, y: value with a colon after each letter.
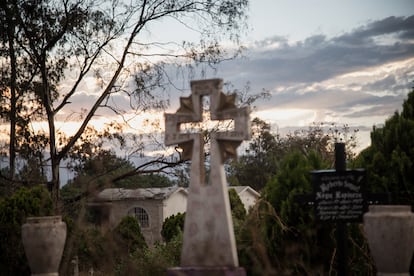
x: 54, y: 184
x: 13, y: 98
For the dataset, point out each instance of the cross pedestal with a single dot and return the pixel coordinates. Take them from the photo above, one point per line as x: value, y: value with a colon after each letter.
x: 209, y: 246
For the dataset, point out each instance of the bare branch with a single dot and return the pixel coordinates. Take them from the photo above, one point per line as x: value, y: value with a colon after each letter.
x: 142, y: 168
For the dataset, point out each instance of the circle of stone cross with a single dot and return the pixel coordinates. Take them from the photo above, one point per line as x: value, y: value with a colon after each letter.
x: 208, y: 238
x: 222, y: 107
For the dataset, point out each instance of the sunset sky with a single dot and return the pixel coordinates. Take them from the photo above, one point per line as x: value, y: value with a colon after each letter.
x: 348, y: 62
x: 344, y: 62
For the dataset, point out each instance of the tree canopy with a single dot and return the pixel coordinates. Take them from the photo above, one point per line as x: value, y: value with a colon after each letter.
x: 389, y: 158
x: 52, y: 48
x: 261, y: 160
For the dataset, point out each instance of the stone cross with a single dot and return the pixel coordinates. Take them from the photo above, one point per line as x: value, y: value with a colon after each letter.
x: 208, y: 229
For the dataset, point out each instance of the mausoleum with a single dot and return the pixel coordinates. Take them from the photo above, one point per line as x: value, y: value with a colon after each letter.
x: 151, y: 206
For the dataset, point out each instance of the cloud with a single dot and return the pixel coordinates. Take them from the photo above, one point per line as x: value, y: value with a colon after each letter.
x: 288, y: 70
x: 361, y: 76
x: 315, y: 59
x: 402, y: 27
x: 364, y: 72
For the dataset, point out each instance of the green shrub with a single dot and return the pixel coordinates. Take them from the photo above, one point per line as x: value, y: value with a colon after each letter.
x: 237, y: 207
x: 14, y: 210
x: 162, y: 256
x: 115, y: 252
x: 172, y: 226
x: 92, y: 249
x: 130, y: 234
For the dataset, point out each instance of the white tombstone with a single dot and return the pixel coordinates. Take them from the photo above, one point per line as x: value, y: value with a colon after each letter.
x: 208, y: 239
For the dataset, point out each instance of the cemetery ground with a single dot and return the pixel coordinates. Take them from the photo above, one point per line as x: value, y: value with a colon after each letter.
x: 278, y: 236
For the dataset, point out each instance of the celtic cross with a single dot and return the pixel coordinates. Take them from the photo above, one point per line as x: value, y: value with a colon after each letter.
x: 208, y: 231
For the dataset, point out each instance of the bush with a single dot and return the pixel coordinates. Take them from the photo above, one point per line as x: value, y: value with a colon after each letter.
x: 172, y: 226
x: 93, y: 249
x: 115, y: 252
x: 14, y: 210
x: 157, y: 260
x: 237, y: 207
x: 129, y: 233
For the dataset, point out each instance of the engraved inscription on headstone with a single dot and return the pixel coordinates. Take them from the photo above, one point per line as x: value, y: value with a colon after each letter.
x: 339, y: 196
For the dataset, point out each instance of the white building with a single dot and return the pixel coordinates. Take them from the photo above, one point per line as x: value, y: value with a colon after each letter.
x: 152, y: 206
x: 248, y: 196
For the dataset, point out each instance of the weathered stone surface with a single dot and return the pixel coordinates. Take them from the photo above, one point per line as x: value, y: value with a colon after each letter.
x: 206, y: 271
x: 44, y: 240
x: 208, y: 231
x: 390, y: 234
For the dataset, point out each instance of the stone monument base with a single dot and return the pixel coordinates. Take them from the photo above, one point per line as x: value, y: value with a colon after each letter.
x: 206, y: 271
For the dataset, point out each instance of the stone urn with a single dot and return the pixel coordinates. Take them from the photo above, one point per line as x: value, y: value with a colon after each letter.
x: 390, y: 234
x: 44, y: 240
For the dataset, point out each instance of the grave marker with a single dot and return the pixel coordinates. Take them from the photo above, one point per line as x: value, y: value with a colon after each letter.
x: 209, y: 246
x: 339, y: 196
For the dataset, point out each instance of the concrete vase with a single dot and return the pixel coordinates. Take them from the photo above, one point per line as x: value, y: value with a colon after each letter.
x: 390, y: 233
x: 44, y: 240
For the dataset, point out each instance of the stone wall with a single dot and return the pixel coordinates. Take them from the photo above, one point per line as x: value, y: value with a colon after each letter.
x: 153, y: 207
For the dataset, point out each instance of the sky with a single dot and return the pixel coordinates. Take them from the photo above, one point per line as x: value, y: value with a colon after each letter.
x: 347, y: 62
x: 299, y: 19
x: 344, y: 62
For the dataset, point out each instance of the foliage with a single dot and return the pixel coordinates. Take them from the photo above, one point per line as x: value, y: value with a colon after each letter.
x: 293, y: 179
x: 262, y: 159
x: 145, y: 181
x: 129, y: 232
x: 51, y: 48
x: 259, y: 163
x: 182, y: 176
x: 105, y: 165
x: 24, y: 203
x: 111, y: 252
x: 162, y: 256
x: 280, y: 235
x: 300, y: 248
x: 255, y: 236
x: 94, y: 175
x: 360, y: 261
x: 37, y: 58
x: 123, y: 251
x: 92, y: 249
x: 100, y: 163
x: 172, y: 226
x: 389, y: 159
x: 98, y: 172
x: 236, y: 205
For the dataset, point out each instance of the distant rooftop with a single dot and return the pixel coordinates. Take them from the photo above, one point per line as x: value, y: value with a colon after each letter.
x: 240, y: 189
x: 113, y: 194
